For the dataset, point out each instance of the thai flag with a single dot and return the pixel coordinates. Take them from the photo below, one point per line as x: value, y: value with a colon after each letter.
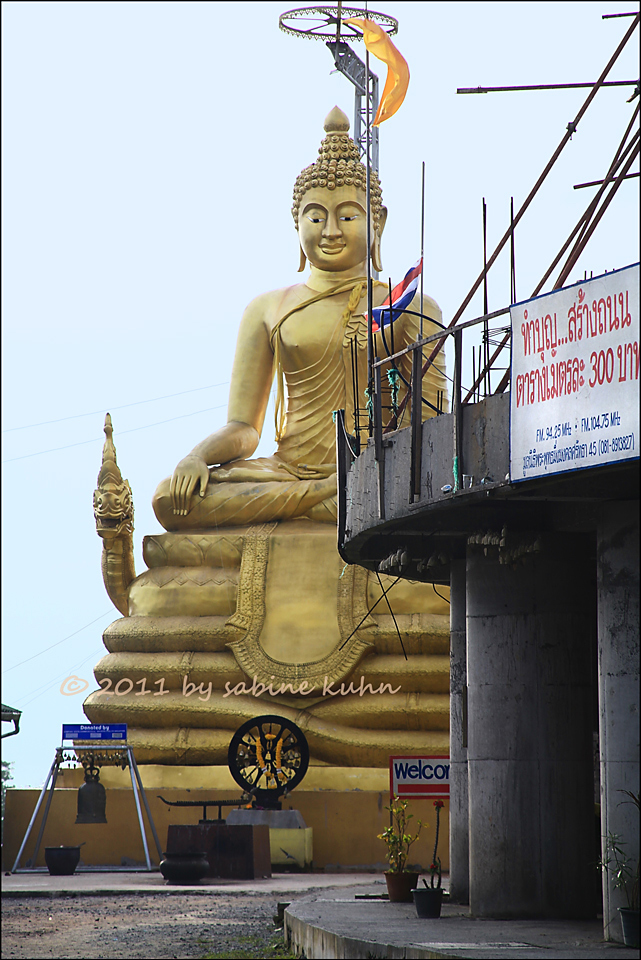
x: 402, y: 295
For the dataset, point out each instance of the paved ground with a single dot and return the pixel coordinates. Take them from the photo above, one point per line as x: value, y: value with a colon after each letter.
x: 40, y: 884
x: 137, y: 915
x: 336, y: 926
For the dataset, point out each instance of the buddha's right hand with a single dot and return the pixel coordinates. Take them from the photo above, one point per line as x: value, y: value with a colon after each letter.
x: 191, y: 472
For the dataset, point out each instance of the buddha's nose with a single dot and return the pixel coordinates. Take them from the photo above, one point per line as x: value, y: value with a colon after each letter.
x: 332, y: 226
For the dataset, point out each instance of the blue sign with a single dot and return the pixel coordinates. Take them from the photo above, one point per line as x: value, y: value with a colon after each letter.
x: 94, y: 731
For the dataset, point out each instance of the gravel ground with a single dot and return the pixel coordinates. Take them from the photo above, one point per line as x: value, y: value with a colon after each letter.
x: 177, y: 926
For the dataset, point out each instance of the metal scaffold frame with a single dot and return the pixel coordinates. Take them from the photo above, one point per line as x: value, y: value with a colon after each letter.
x: 62, y: 756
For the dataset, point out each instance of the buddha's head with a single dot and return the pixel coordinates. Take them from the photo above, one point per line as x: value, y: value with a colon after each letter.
x: 330, y: 209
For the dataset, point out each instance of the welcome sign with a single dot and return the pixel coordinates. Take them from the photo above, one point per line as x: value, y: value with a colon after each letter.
x: 420, y: 776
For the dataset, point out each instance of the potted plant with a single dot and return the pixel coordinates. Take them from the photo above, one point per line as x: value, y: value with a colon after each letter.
x: 398, y: 839
x: 429, y: 899
x: 624, y: 871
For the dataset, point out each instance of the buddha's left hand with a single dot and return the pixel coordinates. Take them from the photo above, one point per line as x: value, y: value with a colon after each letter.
x: 192, y: 472
x: 315, y: 471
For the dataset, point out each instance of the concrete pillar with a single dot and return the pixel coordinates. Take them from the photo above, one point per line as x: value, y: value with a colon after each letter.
x: 529, y: 626
x: 459, y: 836
x: 618, y: 643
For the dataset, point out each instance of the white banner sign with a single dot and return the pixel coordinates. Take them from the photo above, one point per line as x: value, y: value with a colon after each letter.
x: 574, y: 399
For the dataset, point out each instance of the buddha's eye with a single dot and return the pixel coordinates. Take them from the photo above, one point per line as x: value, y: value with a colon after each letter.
x: 354, y: 217
x: 316, y: 219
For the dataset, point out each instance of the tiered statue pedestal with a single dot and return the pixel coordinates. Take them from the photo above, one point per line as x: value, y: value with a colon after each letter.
x: 219, y: 617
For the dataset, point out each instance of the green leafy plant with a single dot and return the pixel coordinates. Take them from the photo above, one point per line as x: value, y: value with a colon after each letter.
x: 435, y: 866
x: 623, y: 869
x: 397, y: 835
x: 6, y: 779
x: 250, y: 948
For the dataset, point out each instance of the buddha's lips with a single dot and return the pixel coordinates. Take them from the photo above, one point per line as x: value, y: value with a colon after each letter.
x: 332, y: 248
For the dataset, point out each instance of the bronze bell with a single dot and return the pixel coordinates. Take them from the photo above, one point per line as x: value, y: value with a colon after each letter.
x: 92, y: 797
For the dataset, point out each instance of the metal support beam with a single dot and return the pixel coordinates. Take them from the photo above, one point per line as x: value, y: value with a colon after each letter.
x: 547, y: 86
x: 352, y: 67
x: 134, y: 767
x: 136, y: 783
x: 52, y: 773
x: 138, y: 810
x: 416, y: 425
x: 56, y: 767
x: 343, y: 463
x: 526, y: 203
x: 457, y: 459
x: 378, y: 440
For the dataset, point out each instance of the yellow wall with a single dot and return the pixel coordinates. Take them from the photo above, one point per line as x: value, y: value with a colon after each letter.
x: 345, y: 822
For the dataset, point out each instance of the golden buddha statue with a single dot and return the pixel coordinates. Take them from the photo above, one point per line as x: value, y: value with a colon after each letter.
x: 246, y: 607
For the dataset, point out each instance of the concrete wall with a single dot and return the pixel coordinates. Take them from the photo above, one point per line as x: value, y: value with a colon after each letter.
x: 527, y: 805
x: 530, y: 765
x: 618, y: 617
x: 459, y: 801
x: 345, y: 826
x: 485, y: 455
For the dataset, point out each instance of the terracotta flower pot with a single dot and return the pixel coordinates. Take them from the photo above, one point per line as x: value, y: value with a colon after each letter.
x: 400, y: 885
x: 428, y: 901
x: 62, y: 861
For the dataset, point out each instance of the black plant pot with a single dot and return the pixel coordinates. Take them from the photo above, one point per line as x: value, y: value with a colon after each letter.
x: 630, y: 926
x: 428, y: 901
x: 184, y: 868
x: 62, y: 861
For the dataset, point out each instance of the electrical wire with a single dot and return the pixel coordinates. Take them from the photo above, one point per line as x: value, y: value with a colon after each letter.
x: 439, y: 594
x: 384, y: 594
x: 122, y: 406
x: 39, y: 691
x: 81, y: 443
x: 378, y: 577
x: 58, y: 642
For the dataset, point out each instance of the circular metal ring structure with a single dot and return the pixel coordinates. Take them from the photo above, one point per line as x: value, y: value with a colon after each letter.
x: 320, y: 23
x: 267, y: 757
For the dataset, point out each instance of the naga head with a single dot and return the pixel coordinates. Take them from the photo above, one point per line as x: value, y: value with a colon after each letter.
x: 113, y: 505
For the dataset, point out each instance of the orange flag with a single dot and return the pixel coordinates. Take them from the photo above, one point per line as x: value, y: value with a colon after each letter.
x: 398, y: 73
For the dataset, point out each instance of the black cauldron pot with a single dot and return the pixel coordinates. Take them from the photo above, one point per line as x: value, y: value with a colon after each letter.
x: 184, y: 867
x: 62, y: 861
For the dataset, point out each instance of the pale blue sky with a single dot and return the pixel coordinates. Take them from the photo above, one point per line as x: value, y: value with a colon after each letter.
x: 149, y: 154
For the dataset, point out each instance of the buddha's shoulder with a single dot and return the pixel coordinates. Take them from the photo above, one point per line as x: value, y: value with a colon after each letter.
x: 274, y: 303
x: 429, y: 303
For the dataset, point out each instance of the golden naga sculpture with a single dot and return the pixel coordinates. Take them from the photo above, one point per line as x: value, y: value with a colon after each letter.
x: 246, y: 607
x: 113, y: 509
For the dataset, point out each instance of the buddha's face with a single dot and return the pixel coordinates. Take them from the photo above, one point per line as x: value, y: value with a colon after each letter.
x: 332, y: 227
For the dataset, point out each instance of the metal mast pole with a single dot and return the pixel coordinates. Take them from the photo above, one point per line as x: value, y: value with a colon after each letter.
x: 422, y: 241
x: 370, y: 334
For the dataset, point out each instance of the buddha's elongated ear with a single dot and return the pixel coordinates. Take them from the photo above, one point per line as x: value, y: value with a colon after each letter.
x: 302, y: 261
x: 377, y: 262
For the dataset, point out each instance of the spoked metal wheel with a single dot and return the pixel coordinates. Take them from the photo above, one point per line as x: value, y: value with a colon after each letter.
x: 321, y: 23
x: 268, y: 756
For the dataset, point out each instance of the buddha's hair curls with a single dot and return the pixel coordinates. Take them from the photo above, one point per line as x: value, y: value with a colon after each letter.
x: 338, y: 165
